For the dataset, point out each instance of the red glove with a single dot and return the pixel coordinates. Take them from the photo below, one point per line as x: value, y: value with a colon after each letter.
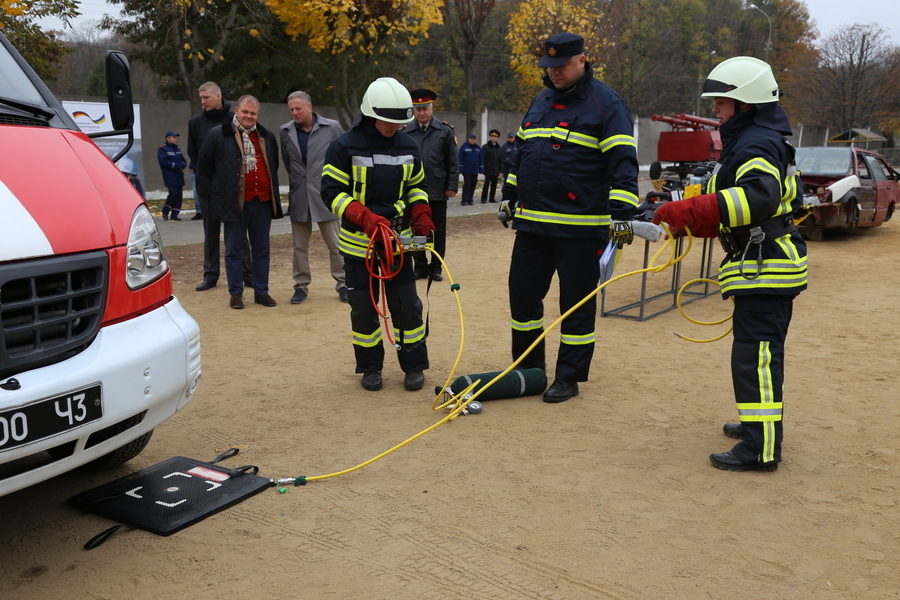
x: 693, y: 212
x: 421, y: 220
x: 365, y: 218
x: 705, y: 231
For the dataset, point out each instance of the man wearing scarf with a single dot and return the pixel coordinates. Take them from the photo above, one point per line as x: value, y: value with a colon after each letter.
x: 240, y: 162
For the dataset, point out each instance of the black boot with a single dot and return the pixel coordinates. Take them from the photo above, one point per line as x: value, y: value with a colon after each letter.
x: 560, y: 391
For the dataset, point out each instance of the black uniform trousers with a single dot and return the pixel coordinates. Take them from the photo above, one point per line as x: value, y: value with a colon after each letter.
x: 406, y: 316
x: 212, y: 227
x: 470, y: 182
x: 173, y: 201
x: 757, y: 370
x: 439, y: 218
x: 534, y: 260
x: 490, y: 181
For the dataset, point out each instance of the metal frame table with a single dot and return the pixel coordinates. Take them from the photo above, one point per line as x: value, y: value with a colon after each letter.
x: 706, y: 272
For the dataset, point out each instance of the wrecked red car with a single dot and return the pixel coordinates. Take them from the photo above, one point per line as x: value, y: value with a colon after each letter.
x: 845, y: 188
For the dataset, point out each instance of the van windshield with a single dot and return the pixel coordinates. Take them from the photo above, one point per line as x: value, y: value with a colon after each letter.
x: 14, y: 83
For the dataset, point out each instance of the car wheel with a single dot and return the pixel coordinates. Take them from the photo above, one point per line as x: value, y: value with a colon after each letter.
x: 889, y: 213
x: 655, y: 170
x: 852, y: 214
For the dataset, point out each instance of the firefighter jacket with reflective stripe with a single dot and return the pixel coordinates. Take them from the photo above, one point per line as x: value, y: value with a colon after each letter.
x: 384, y: 173
x: 576, y: 168
x: 755, y: 180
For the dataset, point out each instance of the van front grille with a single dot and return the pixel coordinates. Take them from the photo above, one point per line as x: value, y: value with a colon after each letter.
x: 50, y: 309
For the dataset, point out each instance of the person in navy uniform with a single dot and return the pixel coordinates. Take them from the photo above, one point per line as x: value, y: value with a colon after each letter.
x: 751, y: 198
x: 372, y: 176
x: 172, y: 163
x: 471, y: 164
x: 576, y: 171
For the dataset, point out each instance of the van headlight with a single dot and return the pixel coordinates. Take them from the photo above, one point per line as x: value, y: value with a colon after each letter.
x: 146, y: 256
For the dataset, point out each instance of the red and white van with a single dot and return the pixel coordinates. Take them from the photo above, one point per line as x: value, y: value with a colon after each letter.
x: 95, y: 351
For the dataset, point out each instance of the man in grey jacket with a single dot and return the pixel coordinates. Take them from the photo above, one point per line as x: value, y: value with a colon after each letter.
x: 437, y: 147
x: 304, y: 141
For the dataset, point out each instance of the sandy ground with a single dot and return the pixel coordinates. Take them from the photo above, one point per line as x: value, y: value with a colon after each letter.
x: 609, y: 495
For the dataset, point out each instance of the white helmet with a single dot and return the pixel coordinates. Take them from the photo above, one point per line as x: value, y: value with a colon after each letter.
x: 126, y: 165
x: 387, y: 100
x: 743, y: 78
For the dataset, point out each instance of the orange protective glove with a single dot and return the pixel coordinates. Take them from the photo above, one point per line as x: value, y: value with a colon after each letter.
x: 365, y: 218
x: 700, y: 213
x: 421, y: 220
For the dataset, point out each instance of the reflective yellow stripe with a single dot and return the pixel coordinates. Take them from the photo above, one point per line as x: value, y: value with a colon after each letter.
x: 410, y: 337
x: 367, y: 340
x: 582, y: 139
x: 791, y: 188
x: 415, y: 178
x: 527, y: 326
x: 736, y: 206
x: 617, y: 140
x: 330, y: 170
x: 624, y: 196
x: 766, y: 411
x: 512, y: 179
x: 415, y: 195
x: 354, y: 244
x: 577, y: 340
x: 761, y: 164
x: 340, y: 203
x: 563, y: 219
x: 359, y: 178
x: 790, y: 249
x: 784, y: 273
x: 760, y: 411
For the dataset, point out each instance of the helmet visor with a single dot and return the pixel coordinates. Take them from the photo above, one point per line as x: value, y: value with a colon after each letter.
x: 717, y: 87
x: 395, y: 114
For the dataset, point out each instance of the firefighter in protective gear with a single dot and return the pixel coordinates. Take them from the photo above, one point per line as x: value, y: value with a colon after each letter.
x: 749, y: 205
x: 373, y: 176
x: 575, y: 171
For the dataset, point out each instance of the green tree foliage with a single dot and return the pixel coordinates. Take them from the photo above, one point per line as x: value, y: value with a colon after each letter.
x: 42, y: 49
x: 95, y: 84
x: 356, y: 38
x: 534, y: 21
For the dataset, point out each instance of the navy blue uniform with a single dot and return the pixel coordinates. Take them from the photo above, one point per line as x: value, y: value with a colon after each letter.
x: 172, y: 163
x: 756, y: 182
x: 575, y: 170
x: 386, y: 175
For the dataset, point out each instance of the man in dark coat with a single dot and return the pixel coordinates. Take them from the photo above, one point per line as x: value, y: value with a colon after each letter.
x: 239, y: 161
x: 216, y: 111
x: 437, y: 148
x: 172, y: 163
x: 493, y: 166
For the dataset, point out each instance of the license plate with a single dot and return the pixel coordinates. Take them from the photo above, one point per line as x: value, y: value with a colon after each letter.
x: 27, y: 424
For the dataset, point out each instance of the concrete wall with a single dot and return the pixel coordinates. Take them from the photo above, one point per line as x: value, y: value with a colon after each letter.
x: 159, y: 116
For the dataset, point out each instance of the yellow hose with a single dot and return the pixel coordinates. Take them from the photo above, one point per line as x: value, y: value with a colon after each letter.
x: 457, y: 402
x: 685, y: 315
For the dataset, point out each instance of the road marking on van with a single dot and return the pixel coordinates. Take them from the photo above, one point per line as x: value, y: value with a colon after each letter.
x: 20, y: 234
